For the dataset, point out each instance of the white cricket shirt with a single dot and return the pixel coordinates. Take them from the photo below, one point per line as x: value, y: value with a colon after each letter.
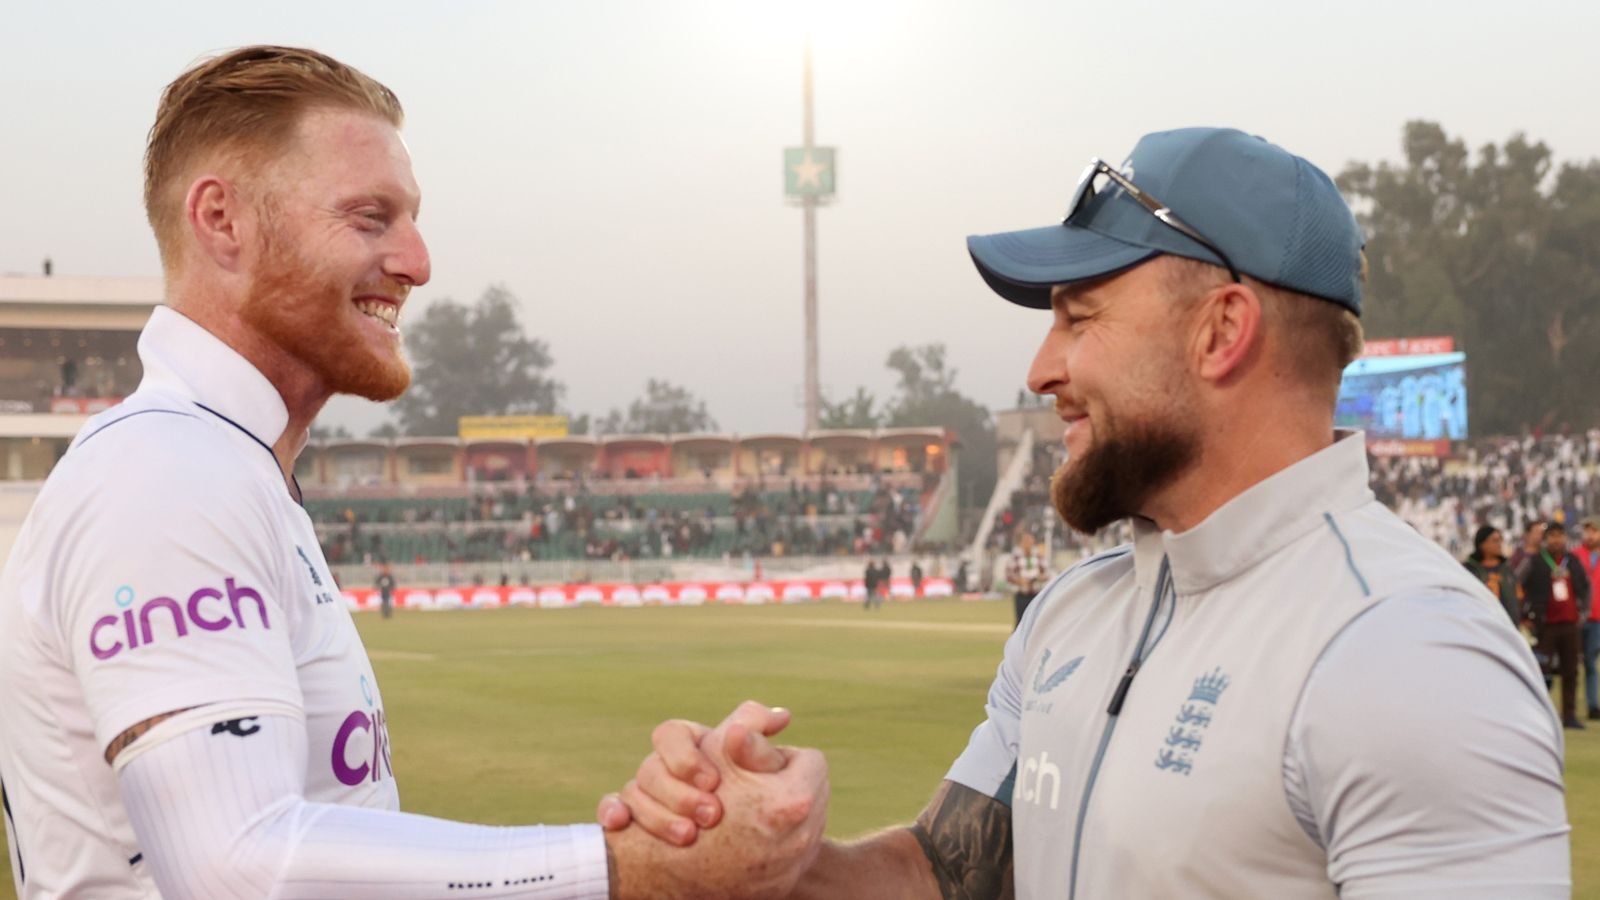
x: 166, y: 566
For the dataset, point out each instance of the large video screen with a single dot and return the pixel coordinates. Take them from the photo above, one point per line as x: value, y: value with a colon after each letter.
x: 1409, y: 397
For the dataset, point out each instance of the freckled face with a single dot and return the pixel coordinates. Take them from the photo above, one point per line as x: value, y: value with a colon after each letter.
x: 339, y: 253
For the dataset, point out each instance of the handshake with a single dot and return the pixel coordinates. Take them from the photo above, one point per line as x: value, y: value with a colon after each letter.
x: 717, y: 814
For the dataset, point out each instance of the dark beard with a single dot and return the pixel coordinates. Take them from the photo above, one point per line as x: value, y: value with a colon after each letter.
x: 300, y: 310
x: 1119, y: 473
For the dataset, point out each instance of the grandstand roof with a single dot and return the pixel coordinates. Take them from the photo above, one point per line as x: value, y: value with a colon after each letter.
x: 916, y: 431
x: 594, y: 442
x: 82, y: 304
x: 344, y: 444
x: 845, y: 436
x: 40, y: 425
x: 71, y: 291
x: 571, y: 441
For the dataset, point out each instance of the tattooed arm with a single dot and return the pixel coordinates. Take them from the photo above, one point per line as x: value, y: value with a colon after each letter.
x: 122, y: 741
x: 958, y: 849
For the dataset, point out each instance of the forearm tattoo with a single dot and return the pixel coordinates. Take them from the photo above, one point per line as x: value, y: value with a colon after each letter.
x: 121, y: 741
x: 966, y: 835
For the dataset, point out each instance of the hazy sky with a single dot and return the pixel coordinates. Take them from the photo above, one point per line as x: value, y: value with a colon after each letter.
x: 618, y: 165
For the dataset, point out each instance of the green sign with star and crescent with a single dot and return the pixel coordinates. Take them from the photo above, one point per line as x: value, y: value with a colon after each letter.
x: 808, y: 171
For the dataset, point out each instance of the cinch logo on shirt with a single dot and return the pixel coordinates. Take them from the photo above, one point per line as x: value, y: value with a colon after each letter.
x: 364, y: 769
x: 1033, y: 776
x: 207, y: 609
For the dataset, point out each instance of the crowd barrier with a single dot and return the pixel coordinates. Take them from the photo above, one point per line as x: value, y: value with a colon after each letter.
x: 686, y: 593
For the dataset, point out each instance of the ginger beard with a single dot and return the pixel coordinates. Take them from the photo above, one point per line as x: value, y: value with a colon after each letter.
x: 311, y: 315
x: 1132, y: 457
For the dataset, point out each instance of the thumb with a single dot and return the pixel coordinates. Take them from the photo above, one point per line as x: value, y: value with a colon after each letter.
x: 768, y: 720
x: 612, y: 813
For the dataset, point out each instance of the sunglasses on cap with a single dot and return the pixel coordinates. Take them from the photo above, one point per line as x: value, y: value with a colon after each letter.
x: 1091, y: 183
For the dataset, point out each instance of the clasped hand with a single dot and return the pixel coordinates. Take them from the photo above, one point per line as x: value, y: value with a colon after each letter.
x: 743, y: 817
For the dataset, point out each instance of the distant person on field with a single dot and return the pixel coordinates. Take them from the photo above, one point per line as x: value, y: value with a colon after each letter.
x: 885, y: 575
x: 1557, y: 591
x: 385, y: 585
x: 1487, y: 561
x: 1026, y: 573
x: 1588, y: 555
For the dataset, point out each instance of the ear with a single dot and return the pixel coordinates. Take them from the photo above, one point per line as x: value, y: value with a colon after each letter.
x: 219, y: 219
x: 1227, y: 326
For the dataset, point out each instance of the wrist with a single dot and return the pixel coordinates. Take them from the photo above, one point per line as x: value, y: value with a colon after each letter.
x: 639, y: 868
x: 622, y: 854
x: 611, y: 869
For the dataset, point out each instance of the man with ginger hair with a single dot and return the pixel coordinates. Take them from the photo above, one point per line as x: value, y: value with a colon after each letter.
x: 1278, y: 689
x: 189, y: 711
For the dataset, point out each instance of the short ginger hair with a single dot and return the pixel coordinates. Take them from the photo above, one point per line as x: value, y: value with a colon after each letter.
x: 246, y: 104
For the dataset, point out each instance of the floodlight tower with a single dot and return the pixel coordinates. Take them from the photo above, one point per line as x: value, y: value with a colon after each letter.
x: 809, y: 180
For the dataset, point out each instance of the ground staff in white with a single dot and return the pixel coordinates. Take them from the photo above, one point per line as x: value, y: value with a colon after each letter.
x: 189, y: 711
x: 1279, y: 690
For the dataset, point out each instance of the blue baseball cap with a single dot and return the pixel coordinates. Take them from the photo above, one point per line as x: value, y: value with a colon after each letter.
x: 1278, y: 218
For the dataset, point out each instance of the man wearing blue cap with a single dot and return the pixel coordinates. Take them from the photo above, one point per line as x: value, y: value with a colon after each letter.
x: 1278, y: 689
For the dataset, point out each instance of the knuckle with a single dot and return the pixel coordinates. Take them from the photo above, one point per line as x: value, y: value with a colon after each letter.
x: 814, y: 760
x: 681, y: 797
x: 792, y: 811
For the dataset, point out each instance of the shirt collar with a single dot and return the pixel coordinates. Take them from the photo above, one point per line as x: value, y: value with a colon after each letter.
x: 1261, y: 520
x: 181, y: 356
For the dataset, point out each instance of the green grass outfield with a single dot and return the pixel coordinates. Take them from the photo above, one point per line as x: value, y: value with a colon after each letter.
x: 517, y: 716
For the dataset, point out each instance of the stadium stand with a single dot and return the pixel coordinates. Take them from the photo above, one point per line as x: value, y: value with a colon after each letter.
x: 66, y: 352
x: 639, y: 497
x: 500, y: 523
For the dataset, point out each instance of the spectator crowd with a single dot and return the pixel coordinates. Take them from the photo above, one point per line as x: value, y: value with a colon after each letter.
x: 572, y: 522
x: 1507, y: 482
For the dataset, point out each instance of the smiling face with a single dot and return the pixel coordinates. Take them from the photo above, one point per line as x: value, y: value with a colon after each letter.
x: 339, y: 253
x: 1113, y: 361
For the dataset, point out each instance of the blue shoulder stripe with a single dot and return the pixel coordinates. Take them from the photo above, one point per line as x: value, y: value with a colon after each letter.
x: 91, y: 435
x: 1349, y: 557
